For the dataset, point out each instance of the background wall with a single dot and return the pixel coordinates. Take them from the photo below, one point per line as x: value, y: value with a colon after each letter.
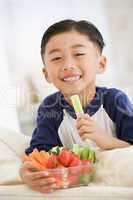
x: 8, y: 112
x: 23, y: 24
x: 119, y: 15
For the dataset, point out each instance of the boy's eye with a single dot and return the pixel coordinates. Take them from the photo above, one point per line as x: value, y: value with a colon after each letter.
x: 79, y: 54
x: 56, y: 58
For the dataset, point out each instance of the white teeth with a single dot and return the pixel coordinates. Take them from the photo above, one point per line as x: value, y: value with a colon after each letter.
x: 74, y: 78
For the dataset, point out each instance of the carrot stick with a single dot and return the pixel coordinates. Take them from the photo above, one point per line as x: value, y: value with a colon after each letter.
x: 26, y: 158
x: 37, y: 165
x: 39, y: 157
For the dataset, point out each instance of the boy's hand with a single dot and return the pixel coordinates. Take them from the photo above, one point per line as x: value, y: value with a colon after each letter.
x: 37, y: 180
x: 88, y: 128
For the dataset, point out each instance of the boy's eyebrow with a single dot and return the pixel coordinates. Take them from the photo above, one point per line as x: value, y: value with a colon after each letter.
x: 54, y: 50
x: 78, y: 45
x: 73, y: 46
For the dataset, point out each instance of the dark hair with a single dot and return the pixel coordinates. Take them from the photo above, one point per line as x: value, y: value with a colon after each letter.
x: 83, y: 27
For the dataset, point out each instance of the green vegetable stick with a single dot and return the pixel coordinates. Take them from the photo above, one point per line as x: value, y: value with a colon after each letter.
x: 77, y: 104
x: 79, y: 110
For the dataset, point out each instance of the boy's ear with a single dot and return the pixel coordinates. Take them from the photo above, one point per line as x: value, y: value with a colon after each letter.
x: 45, y: 73
x: 101, y: 65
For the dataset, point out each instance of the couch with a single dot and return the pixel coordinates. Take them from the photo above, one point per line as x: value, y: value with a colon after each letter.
x: 113, y: 179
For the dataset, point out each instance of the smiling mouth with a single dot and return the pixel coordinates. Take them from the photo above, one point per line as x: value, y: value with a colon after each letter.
x: 72, y: 78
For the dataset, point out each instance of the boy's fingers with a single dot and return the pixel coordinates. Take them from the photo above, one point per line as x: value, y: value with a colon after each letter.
x: 85, y: 130
x: 26, y: 168
x: 82, y: 122
x: 88, y: 117
x: 28, y: 171
x: 83, y: 116
x: 44, y: 182
x: 37, y: 175
x: 79, y: 115
x: 27, y: 165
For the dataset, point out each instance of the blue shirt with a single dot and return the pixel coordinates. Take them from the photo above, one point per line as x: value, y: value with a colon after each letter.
x: 115, y: 103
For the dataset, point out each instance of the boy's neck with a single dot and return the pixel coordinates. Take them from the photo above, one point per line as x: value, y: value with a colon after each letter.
x: 85, y: 97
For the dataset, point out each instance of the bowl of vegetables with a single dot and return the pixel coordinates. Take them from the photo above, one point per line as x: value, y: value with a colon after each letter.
x: 70, y: 168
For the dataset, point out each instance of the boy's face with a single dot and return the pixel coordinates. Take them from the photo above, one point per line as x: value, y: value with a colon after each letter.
x: 72, y: 62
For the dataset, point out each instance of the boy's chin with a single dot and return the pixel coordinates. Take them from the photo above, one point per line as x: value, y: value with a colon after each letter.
x: 70, y: 92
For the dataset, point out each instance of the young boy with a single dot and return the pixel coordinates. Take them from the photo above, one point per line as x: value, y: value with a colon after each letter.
x: 72, y: 55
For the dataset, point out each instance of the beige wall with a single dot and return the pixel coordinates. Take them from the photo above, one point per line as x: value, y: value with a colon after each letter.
x: 119, y: 15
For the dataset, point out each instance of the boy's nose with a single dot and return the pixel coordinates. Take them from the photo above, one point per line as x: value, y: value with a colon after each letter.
x: 68, y: 67
x: 69, y: 64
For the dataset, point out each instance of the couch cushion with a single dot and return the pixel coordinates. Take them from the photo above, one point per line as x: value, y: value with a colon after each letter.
x: 15, y: 141
x: 12, y: 145
x: 115, y: 167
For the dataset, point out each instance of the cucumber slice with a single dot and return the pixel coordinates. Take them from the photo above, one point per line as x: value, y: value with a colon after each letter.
x: 77, y: 150
x: 85, y: 153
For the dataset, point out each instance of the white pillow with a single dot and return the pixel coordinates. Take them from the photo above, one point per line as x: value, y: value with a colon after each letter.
x: 115, y: 167
x: 12, y: 146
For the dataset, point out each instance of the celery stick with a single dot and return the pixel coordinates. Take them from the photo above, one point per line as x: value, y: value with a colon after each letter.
x: 79, y: 110
x: 77, y: 104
